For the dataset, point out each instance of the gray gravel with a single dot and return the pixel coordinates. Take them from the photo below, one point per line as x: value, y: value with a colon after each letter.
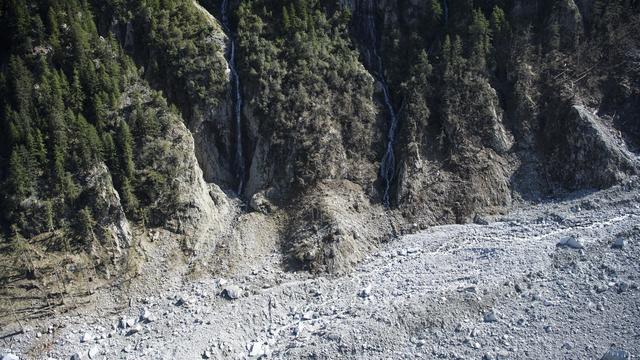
x: 495, y: 291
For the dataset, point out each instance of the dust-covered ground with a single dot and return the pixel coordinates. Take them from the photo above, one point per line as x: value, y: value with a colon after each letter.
x: 508, y: 289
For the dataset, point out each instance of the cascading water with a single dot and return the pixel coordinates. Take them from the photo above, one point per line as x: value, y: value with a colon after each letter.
x: 374, y: 61
x: 446, y: 11
x: 237, y: 98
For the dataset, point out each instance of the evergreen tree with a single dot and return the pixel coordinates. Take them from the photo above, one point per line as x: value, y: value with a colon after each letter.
x: 84, y: 227
x: 54, y: 31
x: 286, y: 21
x: 19, y: 179
x: 125, y: 150
x: 501, y: 34
x: 24, y: 253
x: 77, y: 96
x: 129, y: 200
x: 480, y: 40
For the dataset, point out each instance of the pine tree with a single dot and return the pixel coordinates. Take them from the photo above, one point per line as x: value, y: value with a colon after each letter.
x: 286, y: 22
x: 38, y: 30
x: 19, y: 24
x: 109, y: 152
x: 19, y: 179
x: 76, y: 98
x: 419, y: 90
x: 129, y: 200
x: 501, y: 35
x: 480, y: 38
x: 54, y: 30
x: 21, y: 82
x: 435, y: 14
x: 23, y: 252
x: 48, y: 215
x: 39, y: 150
x: 454, y: 61
x: 84, y: 227
x: 125, y: 150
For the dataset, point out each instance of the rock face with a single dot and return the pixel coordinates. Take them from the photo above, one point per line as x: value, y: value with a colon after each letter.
x: 106, y: 200
x: 197, y: 211
x: 583, y: 152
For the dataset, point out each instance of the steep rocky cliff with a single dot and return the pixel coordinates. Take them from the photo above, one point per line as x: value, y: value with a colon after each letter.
x: 341, y: 123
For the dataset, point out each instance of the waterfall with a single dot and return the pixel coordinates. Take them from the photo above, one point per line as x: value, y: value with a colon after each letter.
x: 374, y: 61
x: 446, y: 11
x: 237, y: 98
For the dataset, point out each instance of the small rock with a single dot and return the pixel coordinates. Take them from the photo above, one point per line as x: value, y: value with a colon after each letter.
x: 86, y: 337
x: 134, y: 330
x: 364, y: 293
x: 490, y: 317
x: 502, y: 354
x: 616, y: 354
x: 479, y: 220
x: 622, y: 287
x: 571, y: 242
x: 182, y: 301
x: 232, y: 292
x: 93, y: 352
x: 126, y: 322
x: 258, y: 349
x: 618, y: 244
x: 76, y: 356
x: 488, y: 356
x: 146, y: 316
x: 308, y: 315
x: 206, y: 355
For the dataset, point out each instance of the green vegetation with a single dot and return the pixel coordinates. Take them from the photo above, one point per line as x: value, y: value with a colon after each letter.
x: 176, y: 45
x: 65, y: 94
x: 304, y: 79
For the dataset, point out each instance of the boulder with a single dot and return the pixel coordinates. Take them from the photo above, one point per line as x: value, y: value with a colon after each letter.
x: 232, y: 292
x: 94, y: 352
x: 571, y: 242
x: 490, y: 316
x: 616, y: 354
x: 86, y: 337
x: 618, y: 243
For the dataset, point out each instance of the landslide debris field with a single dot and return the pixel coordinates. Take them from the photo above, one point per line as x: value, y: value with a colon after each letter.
x: 555, y: 280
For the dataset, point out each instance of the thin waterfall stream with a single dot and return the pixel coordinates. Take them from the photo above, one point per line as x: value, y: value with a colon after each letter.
x: 375, y: 63
x: 237, y: 98
x: 446, y: 12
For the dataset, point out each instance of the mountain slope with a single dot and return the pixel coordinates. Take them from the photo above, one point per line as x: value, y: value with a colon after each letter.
x: 331, y: 126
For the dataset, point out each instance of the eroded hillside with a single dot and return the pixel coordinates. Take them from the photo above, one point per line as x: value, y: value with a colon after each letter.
x: 317, y: 129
